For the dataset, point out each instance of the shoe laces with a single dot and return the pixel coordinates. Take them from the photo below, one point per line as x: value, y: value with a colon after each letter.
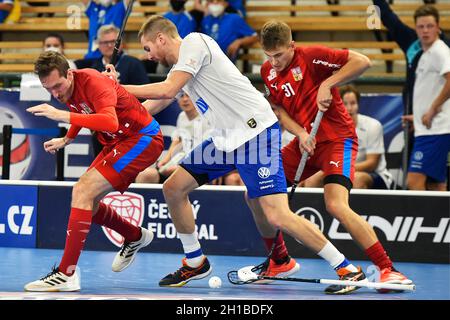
x: 125, y: 247
x: 262, y: 268
x: 54, y: 271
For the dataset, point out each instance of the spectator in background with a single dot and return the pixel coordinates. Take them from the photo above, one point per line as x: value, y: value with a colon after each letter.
x: 130, y: 70
x: 370, y: 166
x: 183, y: 20
x: 55, y: 42
x: 235, y: 6
x: 191, y: 130
x: 229, y: 30
x: 408, y: 41
x: 102, y: 12
x: 431, y: 106
x: 6, y: 7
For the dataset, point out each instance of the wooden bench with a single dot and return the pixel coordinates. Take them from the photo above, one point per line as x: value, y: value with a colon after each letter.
x: 302, y: 22
x: 16, y: 55
x: 65, y: 24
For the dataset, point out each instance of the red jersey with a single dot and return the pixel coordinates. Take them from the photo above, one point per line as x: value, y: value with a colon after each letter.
x: 119, y: 114
x: 296, y: 87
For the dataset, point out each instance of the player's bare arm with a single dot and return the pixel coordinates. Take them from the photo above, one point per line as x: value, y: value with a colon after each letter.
x: 293, y: 127
x: 436, y: 107
x: 370, y: 164
x: 55, y: 144
x: 356, y: 65
x: 156, y: 106
x: 50, y: 112
x: 234, y: 47
x: 166, y: 89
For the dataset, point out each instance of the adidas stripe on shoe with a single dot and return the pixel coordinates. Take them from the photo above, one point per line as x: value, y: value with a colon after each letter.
x: 128, y: 251
x: 55, y: 281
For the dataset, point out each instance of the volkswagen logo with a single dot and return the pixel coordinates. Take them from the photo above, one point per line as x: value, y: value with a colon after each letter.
x: 418, y: 155
x: 263, y: 172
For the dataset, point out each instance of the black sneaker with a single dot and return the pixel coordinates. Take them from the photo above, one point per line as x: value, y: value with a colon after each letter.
x: 344, y: 274
x: 186, y: 274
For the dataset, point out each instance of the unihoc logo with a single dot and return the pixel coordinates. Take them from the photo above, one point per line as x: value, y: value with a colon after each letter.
x: 263, y: 172
x: 401, y: 229
x: 130, y: 206
x: 312, y: 215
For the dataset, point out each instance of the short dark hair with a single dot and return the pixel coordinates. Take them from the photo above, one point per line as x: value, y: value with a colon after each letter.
x: 350, y: 88
x: 49, y: 61
x: 54, y: 35
x: 275, y: 34
x: 426, y: 10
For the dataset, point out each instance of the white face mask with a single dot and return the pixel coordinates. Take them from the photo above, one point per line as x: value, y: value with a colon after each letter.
x: 55, y: 49
x: 105, y: 3
x: 216, y: 9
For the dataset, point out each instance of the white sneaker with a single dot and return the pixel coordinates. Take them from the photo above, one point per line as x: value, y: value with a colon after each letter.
x: 55, y: 281
x: 128, y: 251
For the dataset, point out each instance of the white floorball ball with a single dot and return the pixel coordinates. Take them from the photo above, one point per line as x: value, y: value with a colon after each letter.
x: 215, y: 282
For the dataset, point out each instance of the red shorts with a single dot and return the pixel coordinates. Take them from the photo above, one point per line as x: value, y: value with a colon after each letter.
x: 122, y: 162
x: 336, y: 157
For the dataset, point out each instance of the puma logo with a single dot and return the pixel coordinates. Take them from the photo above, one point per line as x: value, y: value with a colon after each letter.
x: 335, y: 163
x: 115, y: 153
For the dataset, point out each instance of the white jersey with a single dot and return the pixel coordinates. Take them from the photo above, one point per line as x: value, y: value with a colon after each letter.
x: 371, y: 141
x: 191, y: 132
x: 433, y: 65
x: 226, y: 98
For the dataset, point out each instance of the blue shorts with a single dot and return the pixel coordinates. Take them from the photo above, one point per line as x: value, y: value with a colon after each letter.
x: 258, y: 162
x: 429, y: 156
x: 378, y: 182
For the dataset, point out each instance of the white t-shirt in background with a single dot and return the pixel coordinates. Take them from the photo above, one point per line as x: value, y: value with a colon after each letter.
x: 191, y: 132
x: 433, y: 65
x: 371, y: 141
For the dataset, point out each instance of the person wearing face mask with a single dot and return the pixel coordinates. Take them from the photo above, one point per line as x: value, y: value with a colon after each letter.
x: 102, y: 12
x: 229, y: 30
x: 55, y: 42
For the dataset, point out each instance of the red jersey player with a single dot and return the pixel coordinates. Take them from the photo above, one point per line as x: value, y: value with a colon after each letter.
x: 132, y: 141
x: 300, y: 81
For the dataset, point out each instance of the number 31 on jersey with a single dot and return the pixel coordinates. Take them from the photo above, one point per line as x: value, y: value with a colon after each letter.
x: 288, y: 90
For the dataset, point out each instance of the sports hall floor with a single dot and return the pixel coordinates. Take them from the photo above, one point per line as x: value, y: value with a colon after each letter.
x: 140, y: 281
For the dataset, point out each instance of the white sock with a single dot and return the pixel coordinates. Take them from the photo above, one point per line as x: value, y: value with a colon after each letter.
x: 335, y: 258
x: 192, y: 249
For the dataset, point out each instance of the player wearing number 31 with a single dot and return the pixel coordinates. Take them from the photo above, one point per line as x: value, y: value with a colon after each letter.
x: 132, y: 141
x: 299, y: 81
x: 247, y: 137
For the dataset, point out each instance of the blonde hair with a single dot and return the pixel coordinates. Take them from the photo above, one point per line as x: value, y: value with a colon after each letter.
x: 107, y: 28
x: 156, y: 24
x: 275, y: 34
